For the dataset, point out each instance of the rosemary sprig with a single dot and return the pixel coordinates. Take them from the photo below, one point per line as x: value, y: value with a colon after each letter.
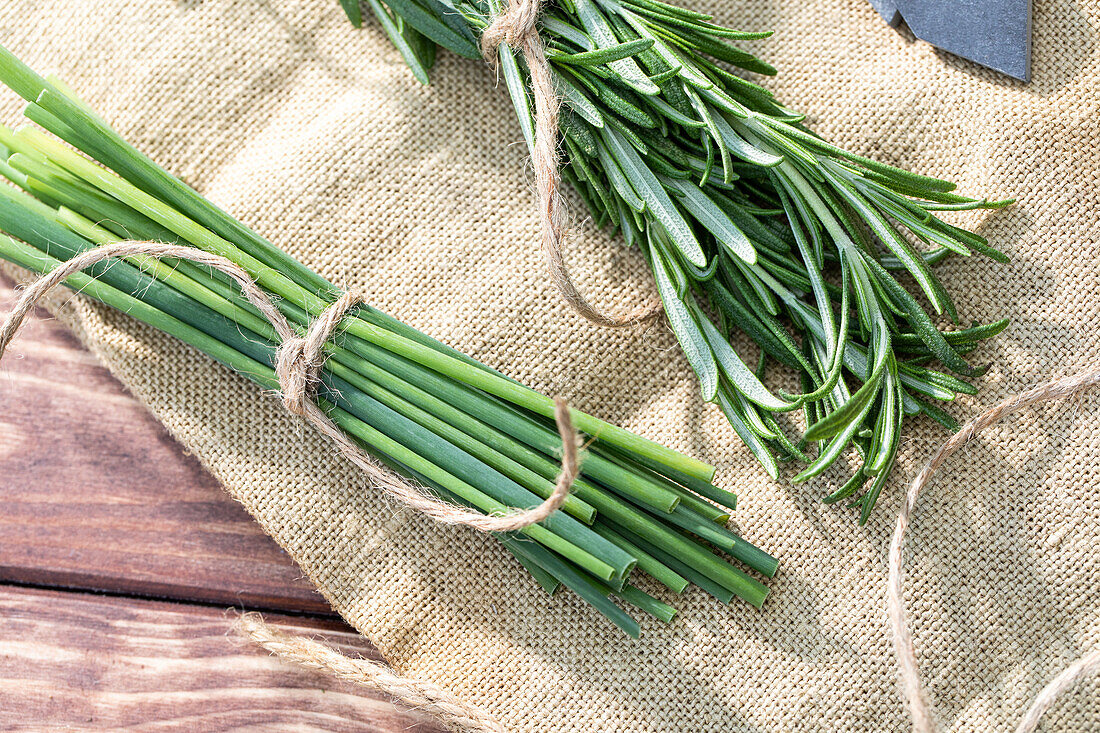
x: 471, y: 434
x: 748, y: 221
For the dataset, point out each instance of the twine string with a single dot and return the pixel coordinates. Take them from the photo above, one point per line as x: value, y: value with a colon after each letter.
x: 298, y: 366
x: 912, y: 689
x: 516, y: 26
x: 425, y: 697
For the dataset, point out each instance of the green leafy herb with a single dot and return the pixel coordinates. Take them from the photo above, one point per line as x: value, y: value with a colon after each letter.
x: 721, y: 173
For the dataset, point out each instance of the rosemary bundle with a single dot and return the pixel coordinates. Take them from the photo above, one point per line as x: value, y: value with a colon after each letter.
x: 750, y: 223
x: 466, y: 432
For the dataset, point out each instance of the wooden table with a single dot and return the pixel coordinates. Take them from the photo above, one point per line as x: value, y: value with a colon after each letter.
x: 119, y: 559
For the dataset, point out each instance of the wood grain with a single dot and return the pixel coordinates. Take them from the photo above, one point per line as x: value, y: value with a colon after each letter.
x: 77, y: 661
x: 98, y: 496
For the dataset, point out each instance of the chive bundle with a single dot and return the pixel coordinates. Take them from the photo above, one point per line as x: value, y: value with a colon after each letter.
x: 472, y: 435
x: 750, y: 223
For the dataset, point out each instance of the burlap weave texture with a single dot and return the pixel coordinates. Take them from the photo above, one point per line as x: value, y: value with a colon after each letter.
x: 316, y: 134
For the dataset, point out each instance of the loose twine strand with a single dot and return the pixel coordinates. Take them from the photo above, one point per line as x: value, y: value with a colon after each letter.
x: 420, y: 695
x: 298, y: 368
x: 923, y: 719
x: 516, y: 26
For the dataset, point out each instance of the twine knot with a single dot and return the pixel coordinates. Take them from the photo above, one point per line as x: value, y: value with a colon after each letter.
x: 299, y: 360
x: 296, y: 373
x: 516, y: 23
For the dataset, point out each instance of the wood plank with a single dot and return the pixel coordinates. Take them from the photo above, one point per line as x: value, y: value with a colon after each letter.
x: 75, y: 660
x: 98, y: 496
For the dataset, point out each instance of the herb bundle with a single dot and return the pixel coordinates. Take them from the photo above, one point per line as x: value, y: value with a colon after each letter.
x: 750, y: 223
x: 470, y: 434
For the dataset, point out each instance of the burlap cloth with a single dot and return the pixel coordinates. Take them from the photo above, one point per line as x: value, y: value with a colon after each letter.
x: 315, y: 134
